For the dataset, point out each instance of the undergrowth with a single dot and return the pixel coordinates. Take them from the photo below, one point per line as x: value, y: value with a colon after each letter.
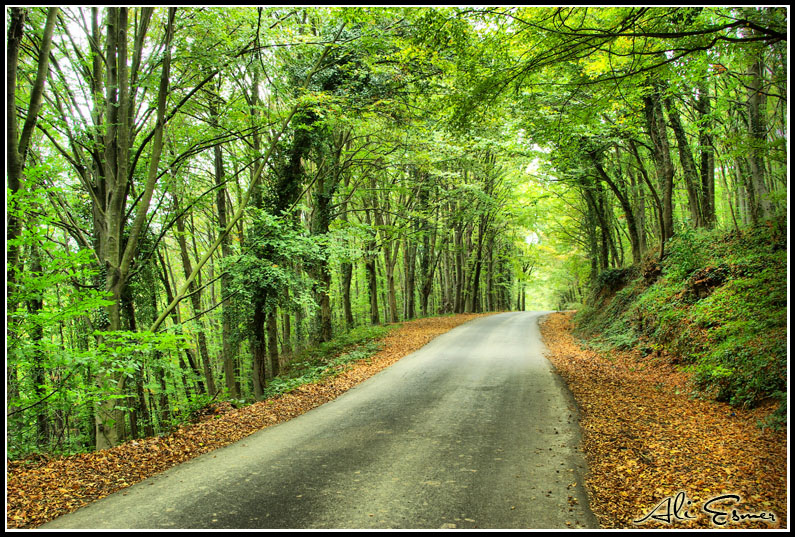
x: 718, y: 308
x: 328, y: 359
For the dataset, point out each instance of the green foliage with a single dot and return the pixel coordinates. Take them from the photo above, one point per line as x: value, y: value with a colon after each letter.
x: 327, y: 359
x: 356, y: 336
x: 120, y: 354
x: 263, y: 270
x: 45, y: 374
x: 602, y: 317
x: 611, y: 280
x: 187, y: 411
x: 720, y: 309
x: 686, y: 254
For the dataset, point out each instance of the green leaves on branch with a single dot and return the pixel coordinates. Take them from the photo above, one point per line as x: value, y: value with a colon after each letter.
x: 274, y: 244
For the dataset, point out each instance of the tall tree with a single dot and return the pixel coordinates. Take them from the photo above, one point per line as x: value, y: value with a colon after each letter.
x: 18, y: 143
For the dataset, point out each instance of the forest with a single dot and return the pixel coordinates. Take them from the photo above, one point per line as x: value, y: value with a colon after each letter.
x: 198, y: 197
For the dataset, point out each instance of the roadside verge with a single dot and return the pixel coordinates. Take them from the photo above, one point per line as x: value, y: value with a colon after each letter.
x: 658, y: 456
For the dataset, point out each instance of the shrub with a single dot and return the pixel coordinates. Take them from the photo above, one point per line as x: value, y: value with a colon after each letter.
x: 328, y: 359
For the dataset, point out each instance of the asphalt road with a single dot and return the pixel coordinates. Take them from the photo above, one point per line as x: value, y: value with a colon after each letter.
x: 474, y: 430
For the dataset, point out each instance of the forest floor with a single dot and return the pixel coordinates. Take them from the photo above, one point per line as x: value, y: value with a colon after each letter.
x: 41, y: 489
x: 653, y: 449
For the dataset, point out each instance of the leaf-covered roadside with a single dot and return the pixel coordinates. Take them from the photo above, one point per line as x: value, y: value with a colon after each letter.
x: 647, y: 440
x: 39, y: 491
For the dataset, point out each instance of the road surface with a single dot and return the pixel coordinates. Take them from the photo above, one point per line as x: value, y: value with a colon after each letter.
x: 474, y: 430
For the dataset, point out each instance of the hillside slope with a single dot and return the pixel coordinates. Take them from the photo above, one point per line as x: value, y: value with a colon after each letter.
x: 716, y: 306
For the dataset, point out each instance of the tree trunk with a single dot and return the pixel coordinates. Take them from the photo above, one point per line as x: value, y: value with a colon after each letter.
x: 623, y: 199
x: 273, y: 343
x: 478, y: 265
x: 286, y: 324
x: 18, y: 143
x: 657, y: 202
x: 428, y: 261
x: 195, y: 299
x: 690, y: 172
x: 346, y: 276
x: 177, y: 321
x: 346, y: 270
x: 323, y: 331
x: 458, y: 246
x: 661, y: 154
x: 257, y: 340
x: 371, y: 273
x: 372, y: 287
x: 34, y: 305
x: 388, y: 249
x: 409, y: 270
x: 227, y: 350
x: 639, y: 207
x: 321, y: 222
x: 707, y: 163
x: 112, y: 184
x: 163, y: 406
x: 762, y: 207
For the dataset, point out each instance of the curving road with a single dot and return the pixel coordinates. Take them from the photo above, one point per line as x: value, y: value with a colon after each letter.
x: 474, y: 430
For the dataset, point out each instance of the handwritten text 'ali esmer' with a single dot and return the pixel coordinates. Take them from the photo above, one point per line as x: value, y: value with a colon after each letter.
x: 680, y: 508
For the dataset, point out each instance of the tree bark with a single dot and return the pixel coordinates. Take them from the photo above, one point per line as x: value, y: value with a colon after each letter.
x: 762, y: 207
x: 273, y: 343
x: 370, y: 270
x: 346, y: 271
x: 690, y: 172
x: 428, y: 258
x: 195, y: 298
x: 35, y: 305
x: 117, y: 255
x: 258, y: 343
x: 657, y: 202
x: 703, y: 107
x: 661, y: 155
x: 478, y: 264
x: 626, y: 206
x: 17, y: 144
x: 227, y: 350
x: 177, y: 321
x: 409, y: 271
x: 327, y: 183
x: 458, y: 249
